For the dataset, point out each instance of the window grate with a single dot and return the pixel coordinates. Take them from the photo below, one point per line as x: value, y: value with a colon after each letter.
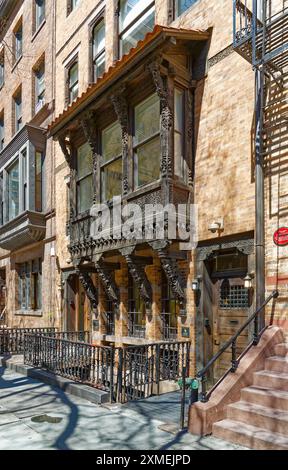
x: 233, y: 297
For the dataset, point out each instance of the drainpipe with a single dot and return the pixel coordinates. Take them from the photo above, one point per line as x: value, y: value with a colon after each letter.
x: 259, y: 187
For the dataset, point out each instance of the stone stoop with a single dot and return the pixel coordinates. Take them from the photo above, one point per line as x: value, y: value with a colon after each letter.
x: 259, y: 420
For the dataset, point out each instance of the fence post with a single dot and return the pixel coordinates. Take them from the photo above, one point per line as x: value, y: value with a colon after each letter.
x: 182, y: 416
x: 158, y: 368
x: 112, y: 356
x: 120, y: 375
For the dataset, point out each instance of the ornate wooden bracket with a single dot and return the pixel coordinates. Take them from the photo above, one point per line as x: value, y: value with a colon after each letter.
x: 139, y: 276
x: 171, y: 270
x: 90, y: 289
x: 65, y: 147
x: 166, y: 117
x: 121, y: 109
x: 108, y: 283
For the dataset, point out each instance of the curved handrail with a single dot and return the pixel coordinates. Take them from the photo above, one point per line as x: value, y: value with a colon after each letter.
x: 201, y: 375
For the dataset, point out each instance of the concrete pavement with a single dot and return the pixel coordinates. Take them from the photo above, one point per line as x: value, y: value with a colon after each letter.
x: 28, y: 408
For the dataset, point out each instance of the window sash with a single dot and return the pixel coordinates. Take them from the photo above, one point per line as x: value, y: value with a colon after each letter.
x: 18, y: 42
x: 182, y: 5
x: 2, y: 71
x: 98, y: 39
x: 39, y: 12
x: 13, y: 190
x: 104, y: 188
x: 18, y: 112
x: 2, y: 133
x: 135, y: 27
x: 136, y: 12
x: 73, y: 81
x: 30, y: 285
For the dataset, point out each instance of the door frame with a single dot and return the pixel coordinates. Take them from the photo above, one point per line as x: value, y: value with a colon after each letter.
x: 204, y: 252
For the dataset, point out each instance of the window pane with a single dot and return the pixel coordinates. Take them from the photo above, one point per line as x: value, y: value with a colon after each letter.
x: 130, y: 10
x: 99, y: 67
x: 182, y: 5
x: 111, y: 180
x: 111, y: 142
x: 147, y: 118
x: 38, y: 181
x: 84, y: 160
x: 13, y: 191
x: 40, y: 12
x: 18, y: 112
x: 73, y: 82
x: 18, y: 43
x: 85, y: 194
x: 138, y: 31
x: 180, y: 167
x: 98, y: 38
x: 147, y: 162
x: 178, y: 105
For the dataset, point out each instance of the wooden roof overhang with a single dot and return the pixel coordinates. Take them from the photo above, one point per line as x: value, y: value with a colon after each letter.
x: 160, y: 40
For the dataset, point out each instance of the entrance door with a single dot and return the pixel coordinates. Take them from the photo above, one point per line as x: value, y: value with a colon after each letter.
x: 71, y: 315
x: 231, y: 301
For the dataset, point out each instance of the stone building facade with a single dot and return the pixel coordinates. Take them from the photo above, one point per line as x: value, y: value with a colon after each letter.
x: 107, y: 73
x: 27, y: 232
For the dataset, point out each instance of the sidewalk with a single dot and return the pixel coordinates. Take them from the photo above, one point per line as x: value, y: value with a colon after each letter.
x: 35, y: 416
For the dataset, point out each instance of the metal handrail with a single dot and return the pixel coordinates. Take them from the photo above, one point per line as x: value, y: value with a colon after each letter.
x: 201, y: 375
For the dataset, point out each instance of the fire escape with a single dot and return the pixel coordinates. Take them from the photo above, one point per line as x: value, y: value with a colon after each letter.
x: 261, y: 37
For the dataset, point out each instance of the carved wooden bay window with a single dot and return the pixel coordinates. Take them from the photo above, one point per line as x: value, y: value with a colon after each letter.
x: 146, y: 141
x: 111, y: 162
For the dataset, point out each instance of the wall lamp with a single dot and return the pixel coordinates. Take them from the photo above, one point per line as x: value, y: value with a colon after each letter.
x: 196, y: 284
x: 248, y: 281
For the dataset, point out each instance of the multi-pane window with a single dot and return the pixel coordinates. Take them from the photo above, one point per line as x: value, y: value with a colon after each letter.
x: 182, y: 5
x: 71, y: 5
x: 84, y: 178
x: 179, y: 160
x: 111, y: 168
x: 39, y: 13
x: 73, y: 84
x: 99, y: 50
x: 30, y: 285
x: 2, y: 69
x: 137, y: 18
x: 2, y: 131
x: 39, y: 87
x: 146, y: 142
x: 18, y: 41
x: 18, y: 123
x: 13, y: 190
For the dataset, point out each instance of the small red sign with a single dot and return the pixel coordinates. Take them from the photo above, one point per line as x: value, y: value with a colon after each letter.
x: 281, y: 236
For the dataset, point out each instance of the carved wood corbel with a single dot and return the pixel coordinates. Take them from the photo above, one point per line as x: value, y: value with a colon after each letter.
x: 65, y: 147
x: 166, y: 117
x: 108, y: 283
x: 121, y: 109
x: 171, y: 270
x: 138, y: 274
x: 89, y: 288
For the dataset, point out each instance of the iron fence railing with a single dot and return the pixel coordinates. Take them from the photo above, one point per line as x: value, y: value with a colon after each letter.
x: 12, y: 339
x: 128, y: 373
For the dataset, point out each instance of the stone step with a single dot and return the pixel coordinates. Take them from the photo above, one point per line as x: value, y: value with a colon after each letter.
x: 281, y: 349
x: 266, y: 397
x: 260, y: 416
x: 249, y: 436
x: 271, y: 379
x: 277, y: 363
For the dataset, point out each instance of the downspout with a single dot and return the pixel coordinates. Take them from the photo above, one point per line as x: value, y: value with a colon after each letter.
x: 259, y: 177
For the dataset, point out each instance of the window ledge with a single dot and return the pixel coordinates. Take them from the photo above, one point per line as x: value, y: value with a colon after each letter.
x: 35, y: 34
x: 16, y: 63
x: 29, y: 313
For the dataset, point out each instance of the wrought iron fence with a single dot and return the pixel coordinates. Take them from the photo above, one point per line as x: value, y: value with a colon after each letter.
x: 76, y: 336
x: 128, y: 373
x: 12, y: 339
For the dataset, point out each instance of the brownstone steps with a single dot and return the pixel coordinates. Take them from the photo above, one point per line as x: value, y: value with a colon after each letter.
x: 249, y: 435
x: 260, y: 419
x: 260, y: 416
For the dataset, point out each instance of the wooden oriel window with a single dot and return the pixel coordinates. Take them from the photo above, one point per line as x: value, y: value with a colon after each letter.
x: 111, y: 166
x: 38, y: 180
x: 146, y: 141
x: 30, y: 285
x: 84, y: 181
x: 136, y: 19
x: 13, y: 186
x: 98, y: 49
x: 18, y: 41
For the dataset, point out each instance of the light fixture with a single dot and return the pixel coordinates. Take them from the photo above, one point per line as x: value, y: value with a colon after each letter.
x: 216, y: 226
x: 52, y: 251
x: 248, y: 282
x: 195, y: 285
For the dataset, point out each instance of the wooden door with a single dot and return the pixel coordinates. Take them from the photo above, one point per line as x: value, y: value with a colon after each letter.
x: 71, y: 314
x: 81, y: 307
x: 231, y: 309
x: 207, y: 311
